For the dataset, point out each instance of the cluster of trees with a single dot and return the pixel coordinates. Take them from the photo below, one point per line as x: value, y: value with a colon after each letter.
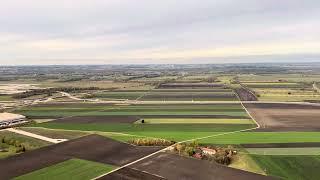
x: 188, y: 149
x: 151, y: 142
x: 12, y: 142
x: 49, y: 91
x: 222, y: 155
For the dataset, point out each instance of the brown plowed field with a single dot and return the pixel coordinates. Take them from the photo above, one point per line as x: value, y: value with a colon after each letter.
x: 171, y: 166
x: 189, y: 85
x: 98, y: 119
x: 130, y: 174
x: 93, y: 147
x: 285, y: 117
x: 245, y: 95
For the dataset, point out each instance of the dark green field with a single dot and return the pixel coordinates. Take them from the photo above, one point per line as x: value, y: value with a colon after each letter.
x: 290, y: 167
x: 70, y: 169
x: 62, y: 110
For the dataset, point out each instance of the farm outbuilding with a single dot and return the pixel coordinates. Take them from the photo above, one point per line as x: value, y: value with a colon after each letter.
x: 10, y: 119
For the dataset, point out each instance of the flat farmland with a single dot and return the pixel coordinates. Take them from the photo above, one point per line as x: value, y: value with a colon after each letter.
x: 63, y: 110
x: 75, y: 168
x: 172, y: 166
x: 207, y: 119
x: 263, y: 137
x: 284, y: 91
x: 195, y: 121
x: 190, y: 96
x: 175, y: 132
x: 190, y: 85
x: 285, y: 117
x: 118, y: 95
x: 289, y: 167
x: 105, y: 151
x: 279, y: 77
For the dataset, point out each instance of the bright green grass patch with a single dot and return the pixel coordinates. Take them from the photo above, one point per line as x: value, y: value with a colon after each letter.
x: 246, y: 163
x: 285, y: 151
x: 290, y: 167
x: 71, y: 169
x: 263, y: 137
x: 174, y: 132
x: 194, y: 121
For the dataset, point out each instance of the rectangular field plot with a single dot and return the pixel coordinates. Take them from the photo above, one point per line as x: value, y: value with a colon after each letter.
x: 264, y: 137
x: 119, y: 95
x: 284, y: 91
x: 61, y: 110
x: 73, y: 168
x: 176, y: 132
x: 194, y: 121
x: 189, y: 96
x: 285, y: 151
x: 289, y: 167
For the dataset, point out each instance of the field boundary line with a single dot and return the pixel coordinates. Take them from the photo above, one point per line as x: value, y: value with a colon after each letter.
x: 249, y: 114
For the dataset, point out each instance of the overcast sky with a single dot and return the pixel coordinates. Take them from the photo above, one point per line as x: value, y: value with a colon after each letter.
x: 158, y: 31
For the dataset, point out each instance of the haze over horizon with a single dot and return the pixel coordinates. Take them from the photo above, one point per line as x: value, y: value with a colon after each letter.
x: 158, y: 32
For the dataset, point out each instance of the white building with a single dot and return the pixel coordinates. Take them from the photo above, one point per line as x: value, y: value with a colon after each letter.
x: 9, y: 119
x: 208, y: 151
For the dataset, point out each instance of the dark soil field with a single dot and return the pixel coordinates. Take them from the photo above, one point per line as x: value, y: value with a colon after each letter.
x: 245, y: 95
x: 131, y: 174
x: 285, y: 117
x: 282, y: 145
x: 98, y: 119
x: 171, y: 166
x: 189, y: 85
x: 93, y: 147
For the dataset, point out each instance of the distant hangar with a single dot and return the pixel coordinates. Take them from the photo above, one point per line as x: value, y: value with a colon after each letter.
x: 10, y: 119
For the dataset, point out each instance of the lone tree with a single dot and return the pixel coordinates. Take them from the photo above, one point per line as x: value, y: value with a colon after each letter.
x: 142, y: 121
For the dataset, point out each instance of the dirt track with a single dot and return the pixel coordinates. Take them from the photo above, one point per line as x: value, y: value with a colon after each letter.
x: 285, y: 117
x: 171, y: 166
x: 92, y: 147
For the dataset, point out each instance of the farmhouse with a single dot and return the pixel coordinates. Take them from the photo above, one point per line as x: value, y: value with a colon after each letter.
x: 9, y: 119
x: 208, y: 151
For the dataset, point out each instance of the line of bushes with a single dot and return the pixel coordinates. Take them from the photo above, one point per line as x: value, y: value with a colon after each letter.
x: 12, y: 142
x: 151, y: 142
x: 49, y: 91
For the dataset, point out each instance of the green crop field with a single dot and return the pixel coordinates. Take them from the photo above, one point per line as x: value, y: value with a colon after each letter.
x: 140, y: 110
x: 175, y: 132
x: 290, y: 167
x: 119, y: 95
x: 70, y: 169
x: 5, y: 98
x: 263, y: 137
x: 285, y: 151
x: 195, y: 121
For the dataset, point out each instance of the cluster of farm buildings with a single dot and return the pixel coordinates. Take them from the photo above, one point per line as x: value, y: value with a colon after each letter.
x: 9, y: 119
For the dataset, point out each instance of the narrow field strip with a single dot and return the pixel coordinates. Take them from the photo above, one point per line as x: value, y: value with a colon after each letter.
x: 74, y: 168
x: 193, y: 121
x: 284, y: 151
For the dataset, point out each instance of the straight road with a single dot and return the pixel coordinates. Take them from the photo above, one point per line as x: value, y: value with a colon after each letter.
x: 36, y: 136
